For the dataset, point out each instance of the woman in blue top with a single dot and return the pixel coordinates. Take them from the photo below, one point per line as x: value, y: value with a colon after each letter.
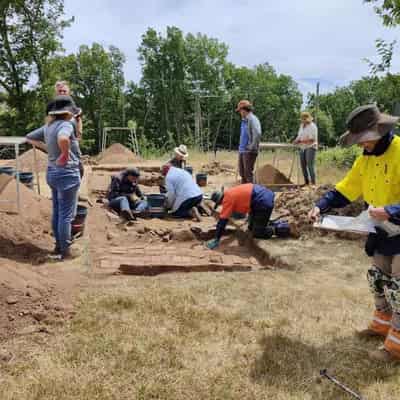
x: 63, y: 168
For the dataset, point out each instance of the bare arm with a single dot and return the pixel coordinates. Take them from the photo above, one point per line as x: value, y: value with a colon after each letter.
x: 64, y: 145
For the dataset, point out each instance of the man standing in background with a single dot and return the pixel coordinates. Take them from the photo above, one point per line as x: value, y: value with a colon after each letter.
x: 307, y: 139
x: 250, y: 135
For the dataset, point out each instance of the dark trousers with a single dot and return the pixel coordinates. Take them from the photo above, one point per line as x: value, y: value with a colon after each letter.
x: 184, y: 209
x: 246, y: 166
x: 307, y: 158
x: 258, y: 221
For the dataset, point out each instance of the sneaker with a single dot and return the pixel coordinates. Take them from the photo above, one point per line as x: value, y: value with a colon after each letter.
x: 195, y: 214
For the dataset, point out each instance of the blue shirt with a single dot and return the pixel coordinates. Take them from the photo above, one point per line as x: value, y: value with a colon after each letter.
x: 180, y: 187
x: 244, y: 136
x: 49, y: 134
x: 262, y: 198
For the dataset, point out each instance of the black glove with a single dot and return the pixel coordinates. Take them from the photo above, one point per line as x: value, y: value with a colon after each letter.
x: 163, y: 189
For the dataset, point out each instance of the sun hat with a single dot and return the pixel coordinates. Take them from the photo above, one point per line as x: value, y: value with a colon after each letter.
x: 306, y: 116
x: 367, y: 123
x: 217, y: 197
x: 244, y: 104
x: 181, y: 150
x: 62, y: 105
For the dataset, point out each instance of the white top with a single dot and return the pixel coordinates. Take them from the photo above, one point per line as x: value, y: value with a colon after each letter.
x: 180, y: 187
x: 310, y: 131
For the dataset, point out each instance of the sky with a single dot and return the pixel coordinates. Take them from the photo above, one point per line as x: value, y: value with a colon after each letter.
x: 310, y: 40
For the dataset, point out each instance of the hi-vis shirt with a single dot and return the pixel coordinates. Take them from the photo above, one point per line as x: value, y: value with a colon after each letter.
x: 375, y: 178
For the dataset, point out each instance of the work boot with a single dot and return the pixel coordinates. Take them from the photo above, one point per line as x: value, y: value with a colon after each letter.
x: 195, y: 214
x: 378, y: 327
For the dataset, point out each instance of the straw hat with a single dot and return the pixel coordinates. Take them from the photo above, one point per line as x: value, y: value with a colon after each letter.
x: 181, y: 150
x: 244, y: 104
x: 367, y: 123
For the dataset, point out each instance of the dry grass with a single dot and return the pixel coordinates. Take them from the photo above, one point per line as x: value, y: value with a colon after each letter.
x: 262, y: 335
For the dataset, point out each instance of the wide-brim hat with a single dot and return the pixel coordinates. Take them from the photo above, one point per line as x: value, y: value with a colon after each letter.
x: 181, y: 150
x: 217, y: 197
x: 367, y: 123
x: 62, y: 105
x: 244, y: 104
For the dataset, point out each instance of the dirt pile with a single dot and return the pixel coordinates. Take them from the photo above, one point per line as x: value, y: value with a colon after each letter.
x: 215, y: 168
x: 29, y: 301
x: 27, y: 161
x: 24, y: 236
x: 269, y: 175
x: 117, y: 154
x: 294, y: 205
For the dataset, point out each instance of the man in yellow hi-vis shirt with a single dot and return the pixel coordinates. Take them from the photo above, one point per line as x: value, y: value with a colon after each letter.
x: 375, y: 176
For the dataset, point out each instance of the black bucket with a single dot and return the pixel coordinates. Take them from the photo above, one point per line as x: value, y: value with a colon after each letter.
x: 78, y: 224
x: 156, y: 205
x: 26, y: 178
x: 201, y: 179
x: 7, y: 170
x: 189, y: 169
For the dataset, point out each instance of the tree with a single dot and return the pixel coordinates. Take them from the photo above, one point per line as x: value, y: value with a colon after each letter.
x: 30, y: 33
x: 97, y: 82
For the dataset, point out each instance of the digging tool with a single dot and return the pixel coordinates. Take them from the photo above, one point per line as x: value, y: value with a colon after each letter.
x: 324, y: 374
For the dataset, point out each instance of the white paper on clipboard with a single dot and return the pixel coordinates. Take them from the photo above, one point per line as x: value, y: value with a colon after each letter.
x: 358, y: 224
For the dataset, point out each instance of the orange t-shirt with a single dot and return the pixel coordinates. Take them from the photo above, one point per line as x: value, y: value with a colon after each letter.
x: 237, y: 199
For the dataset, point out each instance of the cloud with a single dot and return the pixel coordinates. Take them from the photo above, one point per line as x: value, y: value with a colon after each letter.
x: 311, y: 40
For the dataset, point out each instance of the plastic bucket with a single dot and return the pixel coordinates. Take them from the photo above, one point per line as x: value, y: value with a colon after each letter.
x: 189, y: 169
x: 78, y: 224
x: 26, y: 178
x: 77, y: 228
x: 81, y: 214
x: 7, y: 170
x: 201, y: 179
x: 156, y: 204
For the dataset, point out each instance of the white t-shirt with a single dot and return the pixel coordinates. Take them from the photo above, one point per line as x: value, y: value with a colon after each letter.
x: 309, y: 132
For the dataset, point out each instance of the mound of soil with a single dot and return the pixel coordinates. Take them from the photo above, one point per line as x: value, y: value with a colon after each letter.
x: 295, y: 205
x: 27, y: 161
x: 25, y: 236
x: 215, y: 168
x: 29, y: 301
x: 117, y: 154
x: 269, y: 175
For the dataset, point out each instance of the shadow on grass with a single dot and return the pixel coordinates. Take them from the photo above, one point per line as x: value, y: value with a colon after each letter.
x: 293, y: 366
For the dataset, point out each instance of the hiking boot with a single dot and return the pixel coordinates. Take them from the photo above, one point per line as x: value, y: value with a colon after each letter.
x: 195, y: 214
x: 379, y: 326
x: 384, y: 356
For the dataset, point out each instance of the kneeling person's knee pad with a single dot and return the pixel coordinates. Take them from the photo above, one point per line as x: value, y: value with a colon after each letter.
x: 392, y: 293
x: 377, y: 280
